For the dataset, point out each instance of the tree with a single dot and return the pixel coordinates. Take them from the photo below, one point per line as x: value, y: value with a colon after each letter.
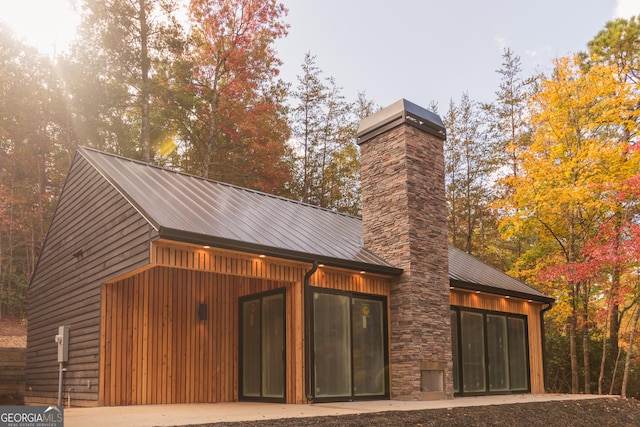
x: 577, y: 159
x: 468, y: 170
x: 618, y: 46
x: 32, y: 161
x: 231, y: 111
x: 111, y: 73
x: 324, y: 127
x: 510, y: 137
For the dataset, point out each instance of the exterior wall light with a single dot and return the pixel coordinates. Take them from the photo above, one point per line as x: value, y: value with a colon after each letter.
x: 202, y: 312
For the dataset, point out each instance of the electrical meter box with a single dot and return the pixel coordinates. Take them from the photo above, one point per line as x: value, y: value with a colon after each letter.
x: 63, y: 344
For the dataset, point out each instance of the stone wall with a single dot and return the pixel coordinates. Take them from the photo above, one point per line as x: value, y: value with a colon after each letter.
x: 404, y: 222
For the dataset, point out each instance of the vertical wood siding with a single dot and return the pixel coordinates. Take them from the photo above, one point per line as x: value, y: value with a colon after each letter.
x: 66, y: 290
x: 156, y: 350
x: 151, y: 320
x: 517, y: 306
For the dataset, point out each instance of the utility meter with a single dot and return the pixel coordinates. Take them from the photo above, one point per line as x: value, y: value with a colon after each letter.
x: 63, y: 343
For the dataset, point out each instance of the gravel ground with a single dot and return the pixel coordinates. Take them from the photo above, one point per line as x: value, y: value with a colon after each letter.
x: 13, y: 333
x: 604, y: 412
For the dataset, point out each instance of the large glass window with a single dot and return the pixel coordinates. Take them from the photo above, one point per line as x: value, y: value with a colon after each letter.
x: 489, y: 352
x: 369, y: 375
x: 498, y: 352
x: 349, y: 346
x: 518, y: 366
x: 473, y: 368
x: 262, y: 351
x: 455, y: 350
x: 332, y: 345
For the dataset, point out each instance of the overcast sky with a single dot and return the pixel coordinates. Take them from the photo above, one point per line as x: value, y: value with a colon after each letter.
x: 426, y: 50
x: 421, y: 50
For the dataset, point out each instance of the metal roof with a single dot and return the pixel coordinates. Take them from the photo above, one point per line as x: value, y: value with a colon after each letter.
x: 468, y: 272
x: 196, y: 210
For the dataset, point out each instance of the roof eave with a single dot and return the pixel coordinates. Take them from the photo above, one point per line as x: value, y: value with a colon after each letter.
x: 499, y: 291
x: 222, y: 243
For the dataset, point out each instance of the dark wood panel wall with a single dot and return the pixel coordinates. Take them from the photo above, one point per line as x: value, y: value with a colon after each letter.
x: 109, y: 238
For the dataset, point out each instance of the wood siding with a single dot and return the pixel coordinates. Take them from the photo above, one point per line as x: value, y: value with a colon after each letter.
x: 155, y: 350
x: 65, y: 290
x: 517, y: 306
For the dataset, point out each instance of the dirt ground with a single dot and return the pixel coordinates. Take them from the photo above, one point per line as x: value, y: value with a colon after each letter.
x: 605, y: 412
x: 13, y: 333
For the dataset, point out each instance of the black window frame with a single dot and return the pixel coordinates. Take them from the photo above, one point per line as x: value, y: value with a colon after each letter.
x: 385, y: 323
x: 488, y: 391
x: 260, y: 296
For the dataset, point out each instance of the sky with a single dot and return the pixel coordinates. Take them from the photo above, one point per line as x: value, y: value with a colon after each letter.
x: 422, y: 50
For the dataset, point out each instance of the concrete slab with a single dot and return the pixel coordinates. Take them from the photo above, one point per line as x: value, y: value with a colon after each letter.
x: 194, y: 414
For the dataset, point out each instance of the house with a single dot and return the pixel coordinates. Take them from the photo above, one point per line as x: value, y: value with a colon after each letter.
x: 177, y: 289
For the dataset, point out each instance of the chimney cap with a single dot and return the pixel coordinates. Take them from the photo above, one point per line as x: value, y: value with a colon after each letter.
x: 400, y: 112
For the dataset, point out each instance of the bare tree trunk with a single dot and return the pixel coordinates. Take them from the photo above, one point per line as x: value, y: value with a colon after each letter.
x: 627, y: 362
x: 604, y: 354
x: 585, y: 339
x: 573, y: 354
x: 615, y: 371
x: 144, y: 90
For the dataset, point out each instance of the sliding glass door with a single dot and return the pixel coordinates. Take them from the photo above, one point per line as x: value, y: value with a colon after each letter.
x: 332, y: 345
x: 489, y: 352
x: 262, y: 350
x: 349, y: 346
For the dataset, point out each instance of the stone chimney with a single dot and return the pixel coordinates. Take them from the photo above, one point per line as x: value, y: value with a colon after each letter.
x: 404, y: 222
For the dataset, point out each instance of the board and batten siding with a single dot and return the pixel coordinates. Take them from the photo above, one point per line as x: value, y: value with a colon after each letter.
x: 156, y: 350
x: 501, y: 304
x: 91, y: 217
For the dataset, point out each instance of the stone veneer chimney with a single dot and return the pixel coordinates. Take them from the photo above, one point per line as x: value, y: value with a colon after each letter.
x: 404, y: 222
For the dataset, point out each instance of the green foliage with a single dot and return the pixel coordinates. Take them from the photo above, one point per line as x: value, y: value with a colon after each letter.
x: 469, y: 170
x: 111, y: 75
x: 618, y: 45
x: 324, y: 126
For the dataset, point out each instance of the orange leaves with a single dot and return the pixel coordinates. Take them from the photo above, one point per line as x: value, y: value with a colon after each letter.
x: 237, y: 126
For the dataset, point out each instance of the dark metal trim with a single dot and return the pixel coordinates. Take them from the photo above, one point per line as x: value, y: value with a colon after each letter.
x: 498, y: 291
x: 307, y: 331
x: 203, y: 239
x: 410, y: 114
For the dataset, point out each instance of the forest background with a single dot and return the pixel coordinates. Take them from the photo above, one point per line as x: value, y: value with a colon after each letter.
x: 542, y: 182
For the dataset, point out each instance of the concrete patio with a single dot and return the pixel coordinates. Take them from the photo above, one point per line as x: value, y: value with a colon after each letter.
x: 194, y: 414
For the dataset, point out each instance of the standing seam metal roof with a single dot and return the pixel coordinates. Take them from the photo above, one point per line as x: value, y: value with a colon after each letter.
x: 203, y: 211
x: 466, y: 271
x: 197, y: 210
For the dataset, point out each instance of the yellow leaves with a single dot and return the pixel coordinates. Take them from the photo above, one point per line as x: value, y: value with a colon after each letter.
x: 578, y: 157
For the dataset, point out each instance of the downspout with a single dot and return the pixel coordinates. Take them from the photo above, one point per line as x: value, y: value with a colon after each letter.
x: 544, y: 350
x: 306, y: 294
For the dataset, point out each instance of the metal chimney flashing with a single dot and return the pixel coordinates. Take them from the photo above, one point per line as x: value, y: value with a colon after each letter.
x: 400, y: 112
